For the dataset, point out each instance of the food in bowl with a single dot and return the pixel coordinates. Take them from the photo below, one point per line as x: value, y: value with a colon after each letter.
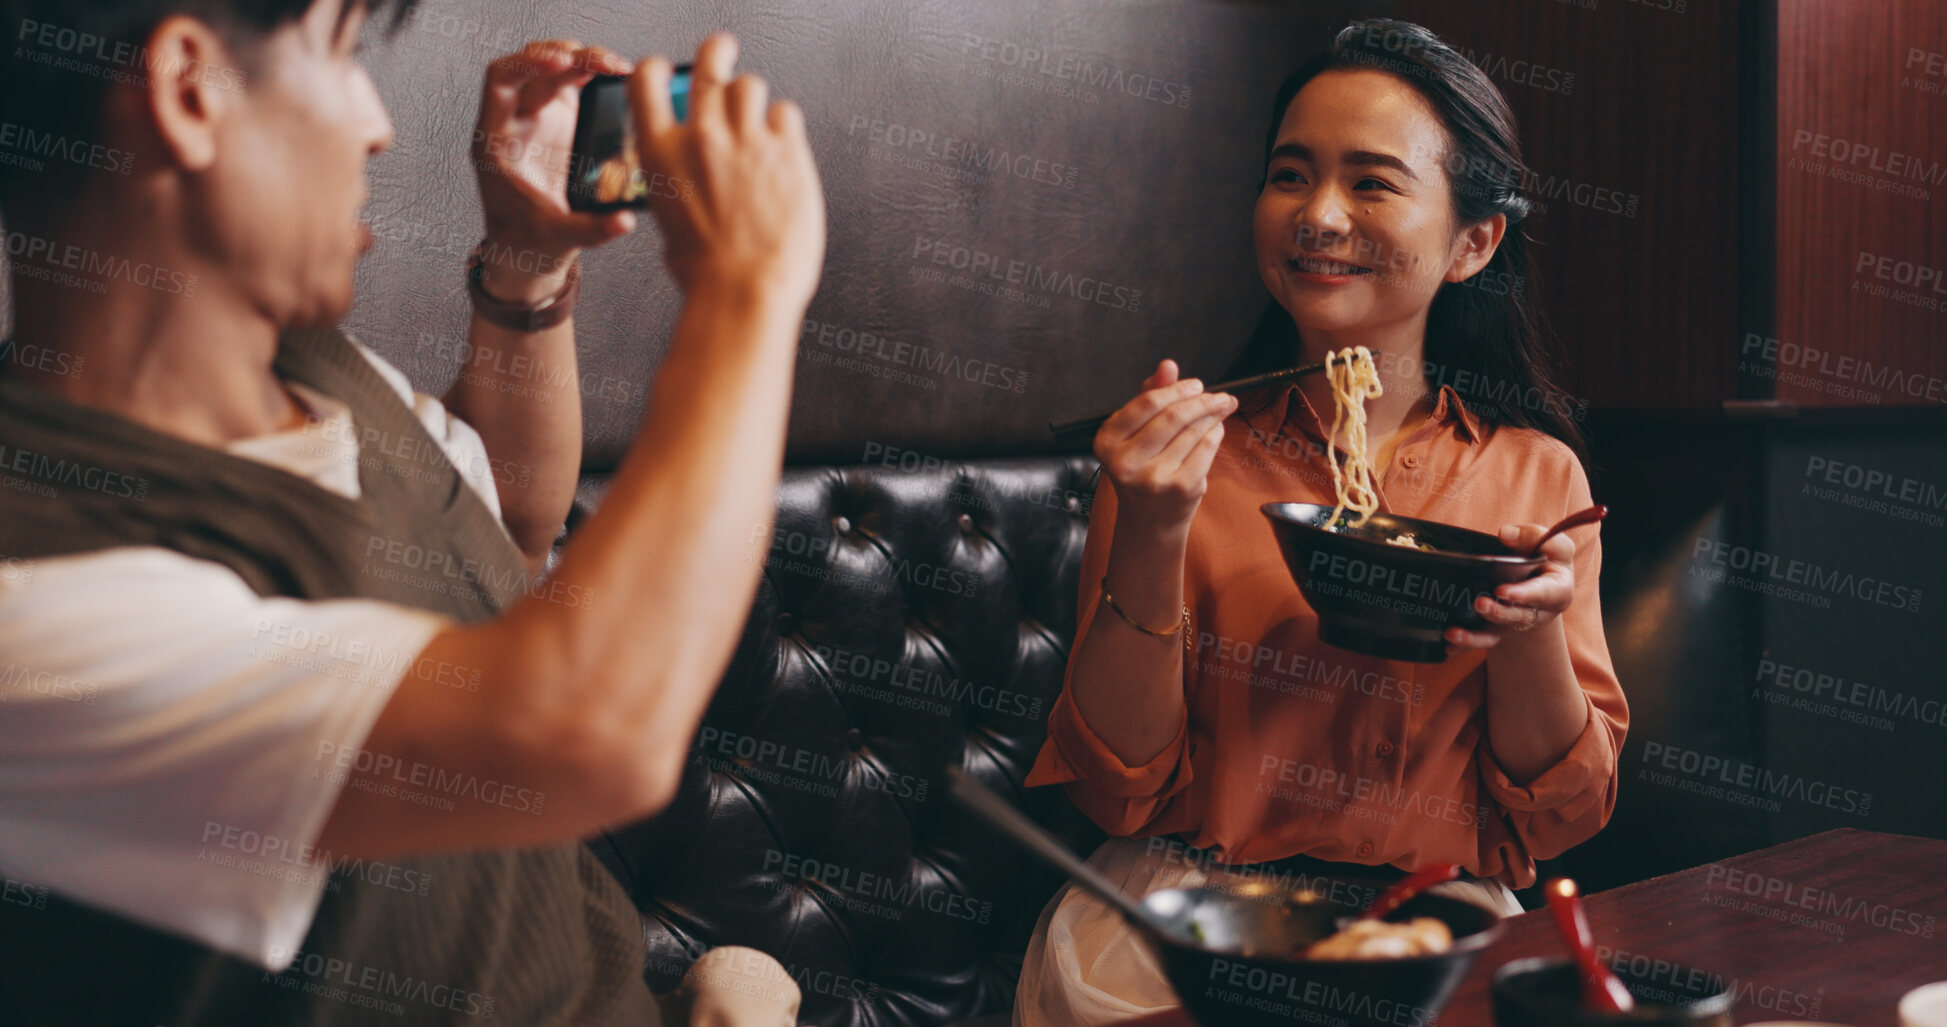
x: 1381, y: 939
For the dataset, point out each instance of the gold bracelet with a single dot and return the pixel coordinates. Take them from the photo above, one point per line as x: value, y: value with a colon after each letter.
x: 1181, y: 625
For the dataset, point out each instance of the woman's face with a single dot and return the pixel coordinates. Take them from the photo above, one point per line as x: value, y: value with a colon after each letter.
x: 1355, y: 227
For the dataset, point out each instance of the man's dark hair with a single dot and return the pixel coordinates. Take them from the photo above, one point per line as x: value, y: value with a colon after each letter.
x: 60, y: 56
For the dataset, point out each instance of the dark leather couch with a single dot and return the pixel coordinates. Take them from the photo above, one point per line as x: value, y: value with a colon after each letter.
x: 907, y: 622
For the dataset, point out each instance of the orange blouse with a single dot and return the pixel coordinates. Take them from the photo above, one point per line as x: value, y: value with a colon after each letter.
x: 1291, y: 746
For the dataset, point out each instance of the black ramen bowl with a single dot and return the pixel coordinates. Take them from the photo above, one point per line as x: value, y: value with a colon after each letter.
x: 1227, y: 955
x: 1386, y: 600
x: 1548, y: 993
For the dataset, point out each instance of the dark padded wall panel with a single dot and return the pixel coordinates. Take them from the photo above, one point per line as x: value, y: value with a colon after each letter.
x: 906, y: 623
x: 1100, y: 158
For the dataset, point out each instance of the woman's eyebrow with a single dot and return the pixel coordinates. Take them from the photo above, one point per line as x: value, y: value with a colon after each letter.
x: 1356, y: 158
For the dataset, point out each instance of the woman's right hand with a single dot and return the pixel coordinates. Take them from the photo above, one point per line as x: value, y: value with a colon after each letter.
x: 1158, y: 449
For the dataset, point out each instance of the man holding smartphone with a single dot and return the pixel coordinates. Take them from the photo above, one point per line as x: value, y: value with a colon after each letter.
x: 259, y: 762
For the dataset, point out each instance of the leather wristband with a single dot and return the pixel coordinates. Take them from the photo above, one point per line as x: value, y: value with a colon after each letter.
x: 518, y: 317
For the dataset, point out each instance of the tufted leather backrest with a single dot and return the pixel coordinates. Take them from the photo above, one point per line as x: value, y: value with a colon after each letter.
x: 907, y: 621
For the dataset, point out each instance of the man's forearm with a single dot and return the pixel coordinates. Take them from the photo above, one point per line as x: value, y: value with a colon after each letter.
x: 522, y: 392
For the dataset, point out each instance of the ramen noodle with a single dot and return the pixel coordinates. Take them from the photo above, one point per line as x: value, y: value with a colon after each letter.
x: 1353, y: 380
x: 1378, y: 939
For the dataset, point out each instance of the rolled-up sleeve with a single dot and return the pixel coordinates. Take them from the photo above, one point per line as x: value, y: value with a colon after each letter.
x: 1120, y: 798
x: 1569, y: 802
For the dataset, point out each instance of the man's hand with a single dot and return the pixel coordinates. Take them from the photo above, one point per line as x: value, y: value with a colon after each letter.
x: 733, y: 986
x: 521, y: 156
x: 739, y: 200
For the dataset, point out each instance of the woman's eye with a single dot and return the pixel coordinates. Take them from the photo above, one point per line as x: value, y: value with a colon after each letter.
x: 1286, y: 175
x: 1372, y: 183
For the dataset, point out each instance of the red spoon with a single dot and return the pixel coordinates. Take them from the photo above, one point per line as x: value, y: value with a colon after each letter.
x: 1574, y: 520
x: 1399, y: 894
x: 1601, y: 991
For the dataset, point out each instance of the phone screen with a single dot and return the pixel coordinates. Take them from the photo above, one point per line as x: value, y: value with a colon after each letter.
x: 605, y: 173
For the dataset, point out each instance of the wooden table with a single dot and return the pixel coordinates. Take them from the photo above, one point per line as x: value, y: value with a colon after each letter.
x: 1833, y: 927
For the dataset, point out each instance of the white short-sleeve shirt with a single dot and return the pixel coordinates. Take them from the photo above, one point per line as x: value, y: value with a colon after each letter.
x: 165, y: 732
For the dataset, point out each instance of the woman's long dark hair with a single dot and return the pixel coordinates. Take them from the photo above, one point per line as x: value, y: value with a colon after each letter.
x: 1484, y: 336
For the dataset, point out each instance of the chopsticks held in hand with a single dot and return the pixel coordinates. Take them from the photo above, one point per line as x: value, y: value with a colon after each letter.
x: 1094, y: 421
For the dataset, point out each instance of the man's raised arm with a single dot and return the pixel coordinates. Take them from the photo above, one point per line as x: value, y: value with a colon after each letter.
x: 595, y: 705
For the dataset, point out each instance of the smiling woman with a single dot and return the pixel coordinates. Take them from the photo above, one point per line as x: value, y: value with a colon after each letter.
x: 1391, y: 184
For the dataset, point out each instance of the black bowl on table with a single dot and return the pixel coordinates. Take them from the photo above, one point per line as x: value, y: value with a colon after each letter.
x: 1227, y: 954
x: 1548, y: 993
x: 1383, y: 599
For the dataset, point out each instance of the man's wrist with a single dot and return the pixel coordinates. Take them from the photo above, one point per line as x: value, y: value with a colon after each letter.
x: 522, y: 276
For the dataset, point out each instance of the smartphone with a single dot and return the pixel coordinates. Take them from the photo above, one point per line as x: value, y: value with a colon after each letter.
x: 603, y: 171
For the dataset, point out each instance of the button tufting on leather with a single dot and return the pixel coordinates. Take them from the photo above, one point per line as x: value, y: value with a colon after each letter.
x: 966, y: 523
x: 1073, y: 503
x: 786, y: 624
x: 842, y: 525
x: 854, y: 739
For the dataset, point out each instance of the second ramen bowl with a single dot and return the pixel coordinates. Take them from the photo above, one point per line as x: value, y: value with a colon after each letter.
x: 1386, y: 600
x: 1211, y: 956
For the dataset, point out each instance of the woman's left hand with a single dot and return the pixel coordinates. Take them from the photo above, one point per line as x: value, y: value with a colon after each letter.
x: 1520, y: 609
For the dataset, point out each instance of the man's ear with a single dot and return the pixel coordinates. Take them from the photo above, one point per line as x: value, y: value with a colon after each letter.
x: 191, y: 90
x: 1476, y: 247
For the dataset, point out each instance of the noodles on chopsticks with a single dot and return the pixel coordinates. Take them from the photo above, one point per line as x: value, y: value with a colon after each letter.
x: 1353, y: 380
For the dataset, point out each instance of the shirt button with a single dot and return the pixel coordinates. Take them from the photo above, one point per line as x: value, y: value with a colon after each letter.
x: 1385, y: 748
x: 1365, y: 849
x: 1410, y: 460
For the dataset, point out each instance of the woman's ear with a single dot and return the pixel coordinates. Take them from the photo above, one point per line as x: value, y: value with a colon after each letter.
x: 1475, y: 247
